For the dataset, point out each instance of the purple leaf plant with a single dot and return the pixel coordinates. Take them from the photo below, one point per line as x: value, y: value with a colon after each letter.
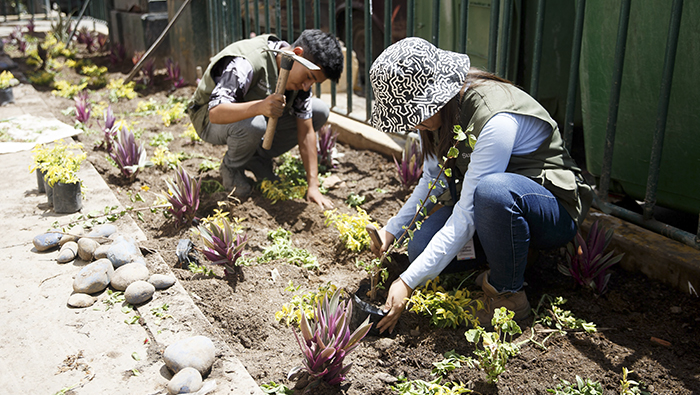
x: 326, y: 145
x: 173, y: 69
x: 129, y: 156
x: 148, y: 69
x: 221, y: 247
x: 117, y: 53
x: 411, y: 167
x: 102, y: 40
x: 86, y: 37
x: 327, y: 340
x: 585, y: 261
x: 83, y: 108
x: 109, y: 130
x: 184, y: 200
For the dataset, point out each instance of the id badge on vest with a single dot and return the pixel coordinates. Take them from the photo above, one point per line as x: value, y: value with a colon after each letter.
x: 467, y: 252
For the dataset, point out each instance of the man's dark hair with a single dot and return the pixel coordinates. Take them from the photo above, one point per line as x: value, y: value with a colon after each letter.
x: 324, y: 50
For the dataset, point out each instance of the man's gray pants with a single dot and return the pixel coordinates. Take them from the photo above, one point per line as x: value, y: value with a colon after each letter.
x: 244, y: 138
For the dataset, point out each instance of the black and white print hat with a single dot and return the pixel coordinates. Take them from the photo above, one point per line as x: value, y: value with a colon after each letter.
x: 412, y: 80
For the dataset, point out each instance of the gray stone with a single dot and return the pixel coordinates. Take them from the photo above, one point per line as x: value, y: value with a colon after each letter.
x: 127, y: 274
x: 105, y: 230
x: 384, y: 344
x: 185, y: 381
x: 86, y: 248
x: 385, y: 378
x: 162, y: 281
x: 80, y: 300
x: 194, y: 352
x: 74, y: 234
x: 47, y: 241
x: 68, y: 252
x: 93, y: 277
x: 124, y: 250
x: 101, y: 252
x: 139, y: 292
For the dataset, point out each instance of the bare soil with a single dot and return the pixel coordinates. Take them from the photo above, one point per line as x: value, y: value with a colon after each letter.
x: 241, y: 307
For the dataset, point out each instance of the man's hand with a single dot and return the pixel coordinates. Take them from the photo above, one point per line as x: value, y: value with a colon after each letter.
x: 399, y: 293
x: 315, y: 196
x: 387, y: 240
x: 272, y: 106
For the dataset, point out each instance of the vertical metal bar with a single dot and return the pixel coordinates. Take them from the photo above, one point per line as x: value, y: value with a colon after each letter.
x: 302, y: 15
x: 436, y: 23
x: 410, y: 18
x: 493, y: 34
x: 245, y: 17
x: 464, y: 21
x: 573, y: 74
x: 278, y: 19
x: 505, y: 40
x: 697, y: 234
x: 387, y: 23
x: 317, y: 25
x: 290, y: 21
x: 210, y: 13
x: 333, y: 30
x: 348, y: 54
x: 256, y: 8
x: 217, y: 25
x: 614, y: 105
x: 662, y: 113
x: 368, y: 58
x: 317, y: 14
x: 268, y: 28
x: 537, y: 53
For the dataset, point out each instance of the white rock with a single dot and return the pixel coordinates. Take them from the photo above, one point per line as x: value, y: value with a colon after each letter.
x: 81, y: 300
x: 86, y: 248
x: 68, y: 252
x: 185, y: 381
x: 162, y: 281
x: 93, y: 277
x: 127, y: 274
x: 101, y: 251
x: 194, y: 352
x: 139, y: 292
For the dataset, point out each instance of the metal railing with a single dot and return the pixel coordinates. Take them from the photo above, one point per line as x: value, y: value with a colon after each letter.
x: 33, y: 9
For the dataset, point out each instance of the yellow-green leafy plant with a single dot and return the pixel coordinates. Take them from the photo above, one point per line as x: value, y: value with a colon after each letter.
x: 191, y: 134
x: 447, y: 309
x: 146, y: 107
x: 550, y: 314
x: 42, y: 77
x: 282, y: 248
x: 282, y: 190
x: 451, y: 362
x: 45, y: 156
x: 8, y: 80
x: 581, y: 387
x: 118, y: 90
x: 161, y: 139
x: 65, y: 168
x: 497, y: 347
x: 173, y: 111
x: 631, y: 387
x: 421, y: 387
x: 163, y: 158
x: 351, y: 227
x: 63, y: 88
x: 302, y: 303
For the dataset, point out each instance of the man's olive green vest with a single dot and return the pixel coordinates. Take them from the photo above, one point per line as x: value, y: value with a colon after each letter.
x: 550, y: 165
x: 265, y: 73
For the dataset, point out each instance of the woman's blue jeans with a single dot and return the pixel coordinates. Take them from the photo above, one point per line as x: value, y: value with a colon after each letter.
x: 511, y: 214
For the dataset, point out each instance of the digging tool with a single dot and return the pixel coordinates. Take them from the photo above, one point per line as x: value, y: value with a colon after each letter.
x: 286, y: 63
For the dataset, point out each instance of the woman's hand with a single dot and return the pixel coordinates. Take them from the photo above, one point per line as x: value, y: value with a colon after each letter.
x: 399, y: 293
x: 387, y: 240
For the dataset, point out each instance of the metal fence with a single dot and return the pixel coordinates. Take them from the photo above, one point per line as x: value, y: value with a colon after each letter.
x: 34, y: 9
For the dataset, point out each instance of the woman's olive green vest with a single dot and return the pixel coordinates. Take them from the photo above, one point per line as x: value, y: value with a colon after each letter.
x: 550, y: 165
x: 265, y: 73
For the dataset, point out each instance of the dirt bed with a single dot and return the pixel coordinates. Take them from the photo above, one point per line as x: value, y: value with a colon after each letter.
x: 241, y: 307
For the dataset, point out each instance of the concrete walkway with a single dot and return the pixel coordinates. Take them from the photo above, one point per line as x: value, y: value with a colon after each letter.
x: 47, y: 346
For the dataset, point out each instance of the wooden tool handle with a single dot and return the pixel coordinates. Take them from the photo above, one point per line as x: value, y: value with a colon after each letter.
x: 285, y: 66
x: 374, y: 235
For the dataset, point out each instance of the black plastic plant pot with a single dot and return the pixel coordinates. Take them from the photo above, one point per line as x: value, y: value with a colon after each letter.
x: 49, y: 192
x: 40, y: 181
x: 6, y: 96
x: 361, y: 310
x: 67, y: 198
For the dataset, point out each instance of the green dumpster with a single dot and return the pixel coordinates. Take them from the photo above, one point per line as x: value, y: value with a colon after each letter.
x: 679, y: 177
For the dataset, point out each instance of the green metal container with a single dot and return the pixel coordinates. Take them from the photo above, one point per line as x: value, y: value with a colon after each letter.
x: 679, y: 177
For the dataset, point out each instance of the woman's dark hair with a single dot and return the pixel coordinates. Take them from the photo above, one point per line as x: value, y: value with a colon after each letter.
x: 324, y: 50
x: 449, y: 115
